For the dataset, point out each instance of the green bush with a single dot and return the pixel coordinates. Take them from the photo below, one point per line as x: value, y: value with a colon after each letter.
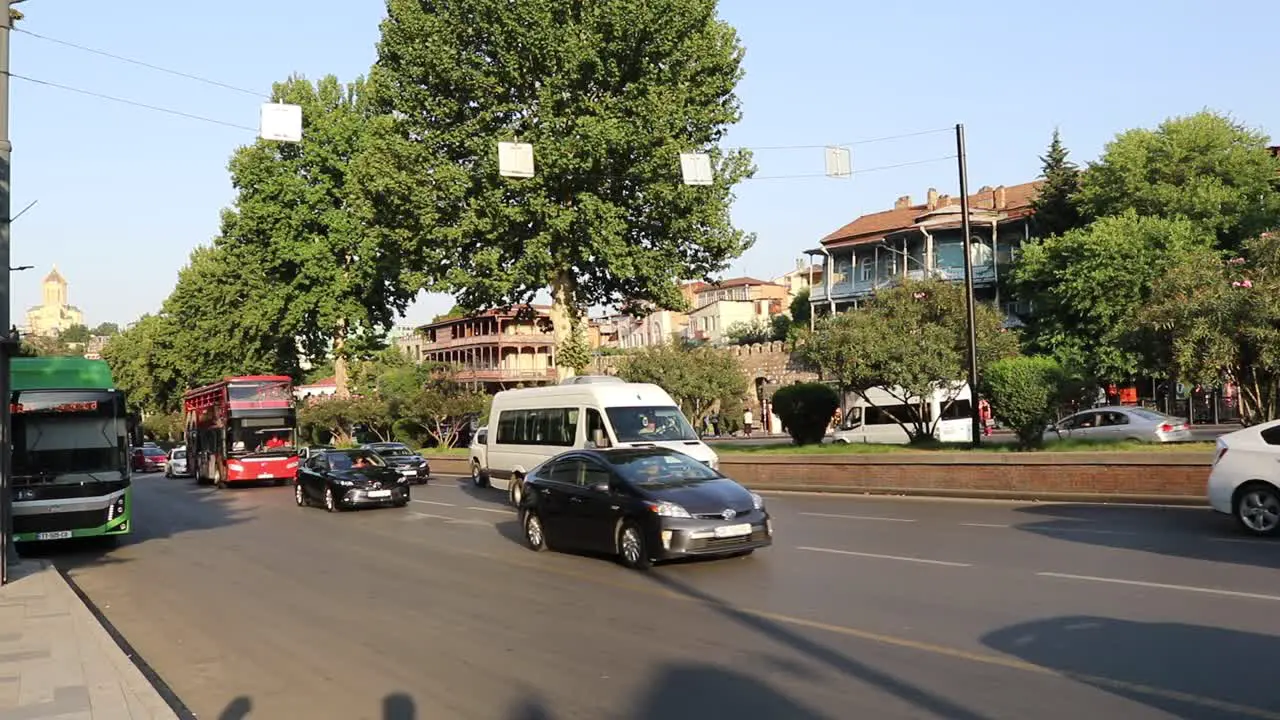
x: 806, y: 410
x: 1025, y: 393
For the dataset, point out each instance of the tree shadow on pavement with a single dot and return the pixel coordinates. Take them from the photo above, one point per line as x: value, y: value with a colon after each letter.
x: 161, y: 509
x: 923, y: 699
x: 1193, y: 533
x: 693, y: 691
x: 396, y: 706
x: 1188, y: 671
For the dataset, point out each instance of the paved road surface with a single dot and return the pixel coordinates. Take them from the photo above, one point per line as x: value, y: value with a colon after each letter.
x: 866, y: 608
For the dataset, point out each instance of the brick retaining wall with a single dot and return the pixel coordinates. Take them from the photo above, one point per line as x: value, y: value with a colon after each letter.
x: 1167, y: 477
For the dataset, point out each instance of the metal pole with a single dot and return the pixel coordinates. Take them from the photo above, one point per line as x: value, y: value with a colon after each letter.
x: 969, y: 300
x: 8, y: 556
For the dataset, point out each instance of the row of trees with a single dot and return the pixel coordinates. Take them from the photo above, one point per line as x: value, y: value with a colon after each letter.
x: 395, y: 189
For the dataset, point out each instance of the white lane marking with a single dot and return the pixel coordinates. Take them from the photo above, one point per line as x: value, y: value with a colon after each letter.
x: 885, y: 557
x: 858, y: 517
x: 448, y: 520
x: 1163, y: 586
x: 433, y: 502
x: 504, y: 511
x: 985, y: 525
x: 1245, y: 541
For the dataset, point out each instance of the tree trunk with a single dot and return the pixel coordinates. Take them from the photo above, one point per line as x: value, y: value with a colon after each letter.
x: 340, y: 375
x: 565, y: 319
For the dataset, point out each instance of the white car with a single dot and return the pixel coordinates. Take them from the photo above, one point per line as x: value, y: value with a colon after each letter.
x: 1245, y: 480
x: 480, y: 458
x: 176, y: 467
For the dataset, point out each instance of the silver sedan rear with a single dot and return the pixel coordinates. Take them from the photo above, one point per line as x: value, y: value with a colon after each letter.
x: 1119, y: 422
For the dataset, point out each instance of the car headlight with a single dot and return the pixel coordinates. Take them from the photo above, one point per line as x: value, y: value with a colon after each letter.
x: 669, y: 509
x: 346, y: 483
x: 235, y: 467
x: 757, y: 502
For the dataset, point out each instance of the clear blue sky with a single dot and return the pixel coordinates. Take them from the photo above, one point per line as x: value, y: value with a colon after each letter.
x: 126, y: 193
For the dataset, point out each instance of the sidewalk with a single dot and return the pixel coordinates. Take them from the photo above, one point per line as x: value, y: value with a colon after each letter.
x: 57, y: 662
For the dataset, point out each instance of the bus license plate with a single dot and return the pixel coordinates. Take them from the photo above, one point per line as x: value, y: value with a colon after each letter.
x: 379, y: 493
x: 729, y: 531
x: 57, y: 535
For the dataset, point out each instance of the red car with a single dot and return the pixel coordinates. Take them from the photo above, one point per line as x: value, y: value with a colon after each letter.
x: 148, y: 459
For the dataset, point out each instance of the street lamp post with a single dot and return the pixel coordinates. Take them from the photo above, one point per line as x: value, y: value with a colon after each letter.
x: 969, y: 301
x: 7, y: 553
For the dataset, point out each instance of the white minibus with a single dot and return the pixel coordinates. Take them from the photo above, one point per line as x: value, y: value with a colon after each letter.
x: 530, y: 425
x: 873, y: 422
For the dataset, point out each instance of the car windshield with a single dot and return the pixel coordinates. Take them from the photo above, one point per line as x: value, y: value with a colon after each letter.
x: 354, y: 460
x: 393, y: 451
x: 650, y: 424
x: 179, y: 454
x: 660, y: 468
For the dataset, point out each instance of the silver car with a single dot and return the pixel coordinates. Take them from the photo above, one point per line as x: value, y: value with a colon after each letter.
x: 1118, y: 422
x: 176, y: 466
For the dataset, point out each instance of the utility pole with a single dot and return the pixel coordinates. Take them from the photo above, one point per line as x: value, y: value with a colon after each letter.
x: 970, y: 315
x: 8, y: 555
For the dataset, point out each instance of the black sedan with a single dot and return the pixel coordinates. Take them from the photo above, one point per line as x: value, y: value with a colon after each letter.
x: 641, y: 505
x: 401, y: 458
x: 341, y: 479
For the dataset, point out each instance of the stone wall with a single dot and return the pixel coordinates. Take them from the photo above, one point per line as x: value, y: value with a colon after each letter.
x: 767, y: 365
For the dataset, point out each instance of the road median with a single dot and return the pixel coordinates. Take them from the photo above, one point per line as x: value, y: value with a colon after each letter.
x: 1157, y: 477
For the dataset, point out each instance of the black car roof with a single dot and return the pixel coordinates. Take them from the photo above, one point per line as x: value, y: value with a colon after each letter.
x: 625, y: 453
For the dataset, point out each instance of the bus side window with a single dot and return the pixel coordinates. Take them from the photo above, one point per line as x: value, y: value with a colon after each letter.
x: 597, y: 435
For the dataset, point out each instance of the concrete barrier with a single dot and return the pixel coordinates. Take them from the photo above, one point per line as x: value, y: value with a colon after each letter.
x: 1166, y: 477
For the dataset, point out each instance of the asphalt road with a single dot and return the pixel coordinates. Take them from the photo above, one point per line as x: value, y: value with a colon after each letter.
x: 250, y: 607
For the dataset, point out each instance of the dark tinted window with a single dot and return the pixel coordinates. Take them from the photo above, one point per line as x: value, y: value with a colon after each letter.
x: 1271, y: 435
x: 348, y: 459
x: 557, y: 427
x: 959, y: 410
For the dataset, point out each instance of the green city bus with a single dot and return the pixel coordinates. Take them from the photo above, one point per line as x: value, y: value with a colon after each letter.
x: 71, y: 443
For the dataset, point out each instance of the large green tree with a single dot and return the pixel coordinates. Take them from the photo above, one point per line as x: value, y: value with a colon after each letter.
x: 331, y: 277
x: 911, y: 341
x: 1205, y: 167
x: 701, y: 379
x: 1089, y: 286
x: 1223, y: 315
x: 1056, y: 207
x: 609, y: 93
x: 144, y: 363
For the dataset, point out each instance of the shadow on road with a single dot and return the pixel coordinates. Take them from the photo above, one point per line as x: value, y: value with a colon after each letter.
x: 161, y: 509
x: 694, y: 691
x: 396, y: 706
x: 1194, y: 533
x: 925, y: 700
x: 483, y: 495
x: 1188, y: 671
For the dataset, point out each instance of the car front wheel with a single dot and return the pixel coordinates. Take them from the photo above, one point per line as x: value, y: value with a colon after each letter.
x: 299, y: 495
x: 1258, y: 509
x: 632, y: 549
x: 330, y: 502
x: 533, y: 532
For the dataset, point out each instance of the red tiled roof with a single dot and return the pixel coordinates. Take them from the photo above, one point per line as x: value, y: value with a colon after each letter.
x: 874, y: 226
x: 325, y: 382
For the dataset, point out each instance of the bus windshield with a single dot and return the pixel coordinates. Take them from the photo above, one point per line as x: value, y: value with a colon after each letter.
x: 260, y: 439
x: 60, y: 433
x: 650, y: 424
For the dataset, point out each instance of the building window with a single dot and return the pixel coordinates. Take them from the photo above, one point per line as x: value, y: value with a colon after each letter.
x: 868, y: 268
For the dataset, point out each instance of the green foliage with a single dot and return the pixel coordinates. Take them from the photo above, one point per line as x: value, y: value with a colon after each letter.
x: 1089, y: 286
x: 106, y: 329
x: 909, y: 340
x: 443, y: 407
x: 806, y: 410
x: 456, y: 312
x: 1205, y: 167
x: 750, y: 332
x: 1223, y: 314
x: 144, y: 362
x: 1025, y: 393
x: 800, y: 309
x: 609, y: 94
x: 75, y: 334
x: 701, y: 379
x: 1056, y: 209
x: 329, y: 276
x: 168, y: 427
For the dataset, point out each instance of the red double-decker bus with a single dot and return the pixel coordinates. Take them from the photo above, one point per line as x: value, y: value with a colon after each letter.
x: 242, y: 430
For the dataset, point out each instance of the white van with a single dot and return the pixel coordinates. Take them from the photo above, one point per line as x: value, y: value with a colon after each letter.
x: 531, y: 425
x: 873, y: 422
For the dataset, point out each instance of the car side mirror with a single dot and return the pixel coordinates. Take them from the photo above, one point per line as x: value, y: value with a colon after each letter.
x: 601, y: 487
x: 599, y: 439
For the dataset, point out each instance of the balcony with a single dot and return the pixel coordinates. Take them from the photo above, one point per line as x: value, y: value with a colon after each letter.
x: 495, y: 340
x: 505, y: 375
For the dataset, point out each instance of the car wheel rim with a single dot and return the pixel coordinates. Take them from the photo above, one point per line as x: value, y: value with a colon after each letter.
x: 1260, y: 510
x: 533, y: 529
x: 328, y: 498
x: 515, y: 494
x: 631, y: 546
x: 297, y: 493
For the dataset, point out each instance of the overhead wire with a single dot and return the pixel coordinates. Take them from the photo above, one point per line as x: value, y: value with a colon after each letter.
x: 134, y: 103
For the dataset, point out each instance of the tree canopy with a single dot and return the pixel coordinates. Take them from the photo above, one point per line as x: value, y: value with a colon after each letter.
x: 609, y: 94
x: 911, y: 341
x: 1056, y: 204
x: 701, y: 379
x: 1206, y: 167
